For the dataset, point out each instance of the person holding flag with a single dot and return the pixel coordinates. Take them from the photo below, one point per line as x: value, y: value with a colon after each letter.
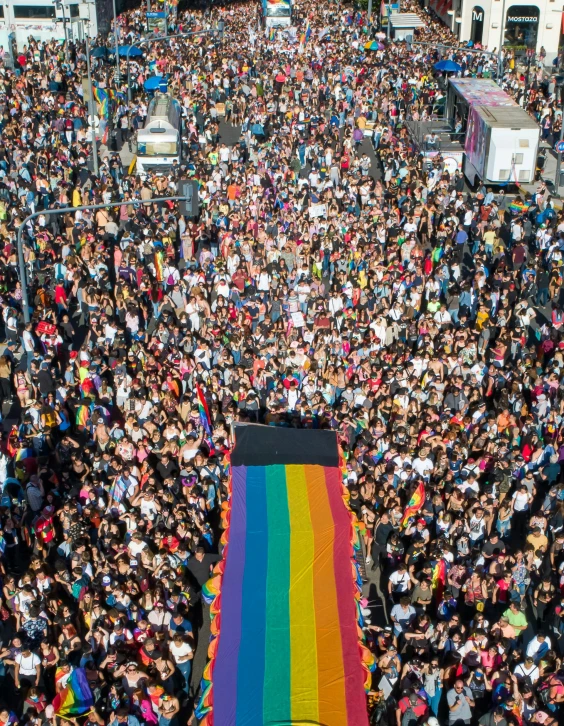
x: 414, y: 505
x: 205, y: 419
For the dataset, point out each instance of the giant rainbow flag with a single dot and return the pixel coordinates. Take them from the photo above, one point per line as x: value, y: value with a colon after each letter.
x: 286, y: 646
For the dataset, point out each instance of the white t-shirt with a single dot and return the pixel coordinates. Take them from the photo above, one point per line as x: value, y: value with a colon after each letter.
x: 522, y: 671
x: 28, y: 663
x: 422, y: 466
x: 400, y: 581
x: 179, y: 652
x: 477, y: 527
x: 159, y: 620
x: 521, y: 501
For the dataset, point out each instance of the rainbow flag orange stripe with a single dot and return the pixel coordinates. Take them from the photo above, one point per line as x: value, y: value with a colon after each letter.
x: 288, y: 647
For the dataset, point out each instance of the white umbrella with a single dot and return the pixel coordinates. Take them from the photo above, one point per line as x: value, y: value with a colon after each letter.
x: 380, y: 36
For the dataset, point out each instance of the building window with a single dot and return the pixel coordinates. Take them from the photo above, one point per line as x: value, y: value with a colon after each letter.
x: 37, y: 12
x: 73, y: 9
x: 477, y: 24
x: 1, y: 11
x: 521, y: 27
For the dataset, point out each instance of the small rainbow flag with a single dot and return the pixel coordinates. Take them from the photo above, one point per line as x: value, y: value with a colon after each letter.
x: 76, y: 697
x: 272, y: 34
x: 415, y: 503
x: 518, y: 207
x: 159, y: 270
x: 205, y: 418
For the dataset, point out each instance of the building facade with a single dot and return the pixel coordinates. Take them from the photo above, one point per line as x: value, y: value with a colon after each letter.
x: 44, y: 20
x: 519, y: 25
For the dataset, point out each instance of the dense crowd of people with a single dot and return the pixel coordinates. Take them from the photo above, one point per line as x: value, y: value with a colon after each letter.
x: 333, y: 279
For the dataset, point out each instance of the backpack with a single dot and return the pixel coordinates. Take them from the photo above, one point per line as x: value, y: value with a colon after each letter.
x: 409, y: 718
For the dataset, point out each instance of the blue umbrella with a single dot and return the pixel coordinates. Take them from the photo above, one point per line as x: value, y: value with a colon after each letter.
x: 153, y: 83
x: 135, y: 51
x: 99, y: 52
x: 447, y: 66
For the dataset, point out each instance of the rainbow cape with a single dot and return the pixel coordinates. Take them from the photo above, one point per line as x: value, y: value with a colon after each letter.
x: 82, y: 415
x: 286, y: 646
x: 102, y: 99
x: 158, y: 260
x: 76, y: 697
x: 415, y: 503
x: 439, y: 579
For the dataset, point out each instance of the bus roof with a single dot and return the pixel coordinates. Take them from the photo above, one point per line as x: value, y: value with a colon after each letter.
x: 480, y: 92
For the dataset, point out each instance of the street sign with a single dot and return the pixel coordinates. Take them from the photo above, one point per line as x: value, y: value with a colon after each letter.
x: 560, y: 147
x: 160, y: 14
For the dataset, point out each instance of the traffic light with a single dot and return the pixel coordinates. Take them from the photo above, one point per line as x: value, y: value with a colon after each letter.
x: 189, y: 206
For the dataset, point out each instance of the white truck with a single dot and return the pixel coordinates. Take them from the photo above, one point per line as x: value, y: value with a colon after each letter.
x: 501, y: 145
x: 277, y: 13
x: 159, y: 143
x: 501, y: 140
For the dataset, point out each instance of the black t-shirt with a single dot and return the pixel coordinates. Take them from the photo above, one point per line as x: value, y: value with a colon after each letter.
x: 200, y: 571
x: 382, y: 533
x: 490, y: 548
x: 356, y: 505
x: 170, y: 469
x: 415, y: 554
x: 45, y: 381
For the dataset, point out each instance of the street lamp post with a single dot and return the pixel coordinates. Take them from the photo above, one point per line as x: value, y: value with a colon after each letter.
x: 66, y: 210
x: 219, y: 30
x: 116, y: 39
x: 61, y: 7
x: 91, y: 108
x: 501, y: 42
x: 560, y: 90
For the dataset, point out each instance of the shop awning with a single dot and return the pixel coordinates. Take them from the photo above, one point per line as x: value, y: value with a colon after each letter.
x: 406, y: 20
